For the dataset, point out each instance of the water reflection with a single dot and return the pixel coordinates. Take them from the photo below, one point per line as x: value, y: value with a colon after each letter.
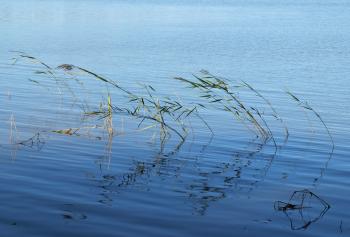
x: 36, y: 142
x: 303, y: 209
x: 200, y: 185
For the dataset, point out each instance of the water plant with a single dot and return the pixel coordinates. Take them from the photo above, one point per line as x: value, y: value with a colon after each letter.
x: 167, y: 114
x: 224, y: 94
x: 305, y: 105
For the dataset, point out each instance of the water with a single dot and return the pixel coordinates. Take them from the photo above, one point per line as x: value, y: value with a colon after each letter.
x: 74, y: 186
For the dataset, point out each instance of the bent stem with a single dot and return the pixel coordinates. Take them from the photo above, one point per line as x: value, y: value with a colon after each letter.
x: 305, y: 105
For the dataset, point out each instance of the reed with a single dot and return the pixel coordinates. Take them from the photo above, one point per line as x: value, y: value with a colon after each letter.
x: 13, y: 137
x: 305, y: 105
x: 224, y: 95
x: 169, y: 115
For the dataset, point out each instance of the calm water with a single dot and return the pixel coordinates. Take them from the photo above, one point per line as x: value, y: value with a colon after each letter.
x: 225, y: 185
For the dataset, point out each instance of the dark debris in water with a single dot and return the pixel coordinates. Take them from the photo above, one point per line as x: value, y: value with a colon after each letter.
x: 303, y: 209
x: 69, y: 213
x: 36, y: 141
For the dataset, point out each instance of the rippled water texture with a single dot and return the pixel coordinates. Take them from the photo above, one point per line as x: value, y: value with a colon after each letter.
x: 55, y: 184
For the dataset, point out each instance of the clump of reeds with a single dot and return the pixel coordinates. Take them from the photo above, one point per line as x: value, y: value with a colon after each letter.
x: 224, y: 94
x: 169, y: 115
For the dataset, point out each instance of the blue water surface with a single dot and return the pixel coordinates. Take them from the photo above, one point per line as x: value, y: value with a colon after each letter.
x: 90, y: 185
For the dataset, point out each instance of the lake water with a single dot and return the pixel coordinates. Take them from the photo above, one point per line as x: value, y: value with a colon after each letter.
x: 227, y: 184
